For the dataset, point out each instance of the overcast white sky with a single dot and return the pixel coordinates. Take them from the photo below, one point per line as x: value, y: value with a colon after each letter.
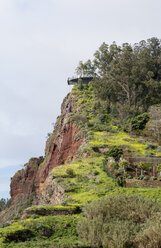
x: 41, y: 43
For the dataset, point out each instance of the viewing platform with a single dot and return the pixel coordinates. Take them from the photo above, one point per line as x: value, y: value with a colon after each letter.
x: 75, y: 80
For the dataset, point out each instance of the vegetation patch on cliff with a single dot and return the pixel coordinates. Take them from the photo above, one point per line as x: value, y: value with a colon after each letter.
x: 41, y: 232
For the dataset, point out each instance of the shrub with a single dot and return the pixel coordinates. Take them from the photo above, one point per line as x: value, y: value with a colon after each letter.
x: 17, y: 233
x: 115, y: 152
x: 147, y: 166
x: 153, y: 178
x: 117, y: 221
x: 16, y: 218
x: 141, y: 177
x: 139, y: 122
x: 103, y: 117
x: 150, y: 237
x: 70, y: 172
x: 121, y: 181
x: 97, y: 126
x: 129, y: 177
x: 124, y: 164
x: 95, y: 172
x: 79, y: 118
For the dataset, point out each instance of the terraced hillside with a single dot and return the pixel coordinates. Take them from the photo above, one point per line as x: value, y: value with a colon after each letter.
x: 82, y: 178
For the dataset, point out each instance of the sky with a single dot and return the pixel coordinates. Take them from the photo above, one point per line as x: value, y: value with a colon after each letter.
x: 41, y: 43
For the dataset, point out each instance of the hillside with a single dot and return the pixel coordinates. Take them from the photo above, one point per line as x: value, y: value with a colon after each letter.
x: 79, y: 179
x: 103, y: 155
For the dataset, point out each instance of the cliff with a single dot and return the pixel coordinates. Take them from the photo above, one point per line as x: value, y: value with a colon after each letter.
x: 61, y: 147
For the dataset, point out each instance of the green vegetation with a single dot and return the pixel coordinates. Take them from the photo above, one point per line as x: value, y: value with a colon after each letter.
x: 123, y: 139
x: 122, y: 222
x: 41, y: 232
x: 115, y: 152
x: 84, y: 180
x: 90, y: 181
x: 127, y: 77
x: 116, y: 120
x: 44, y: 210
x: 139, y: 122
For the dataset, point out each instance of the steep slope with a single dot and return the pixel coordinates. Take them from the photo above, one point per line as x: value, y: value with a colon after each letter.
x: 83, y: 129
x: 72, y: 174
x: 61, y: 147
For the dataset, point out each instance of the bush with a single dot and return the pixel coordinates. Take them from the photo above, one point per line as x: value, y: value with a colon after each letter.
x: 141, y: 177
x: 139, y: 122
x: 129, y: 177
x: 121, y: 181
x: 117, y: 221
x: 150, y: 237
x: 97, y: 126
x: 124, y: 164
x: 78, y: 118
x: 95, y: 172
x: 70, y: 172
x: 103, y: 117
x: 115, y: 152
x: 147, y: 166
x: 17, y: 233
x: 153, y: 178
x: 44, y: 210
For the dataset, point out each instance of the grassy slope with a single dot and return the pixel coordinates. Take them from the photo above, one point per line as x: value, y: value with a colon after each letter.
x: 88, y: 182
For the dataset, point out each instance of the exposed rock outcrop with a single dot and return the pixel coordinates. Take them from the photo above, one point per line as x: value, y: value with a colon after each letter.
x: 60, y: 148
x: 51, y: 193
x: 23, y: 182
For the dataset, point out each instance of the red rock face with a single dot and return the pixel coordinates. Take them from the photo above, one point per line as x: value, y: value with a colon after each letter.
x: 61, y: 153
x: 23, y: 181
x: 61, y: 147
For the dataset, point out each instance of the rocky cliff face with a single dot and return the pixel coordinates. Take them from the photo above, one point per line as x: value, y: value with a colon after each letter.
x: 60, y: 148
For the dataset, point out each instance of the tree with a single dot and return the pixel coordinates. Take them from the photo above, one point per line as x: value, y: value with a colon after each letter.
x: 141, y: 166
x: 85, y: 69
x: 129, y: 76
x: 154, y: 45
x: 153, y: 127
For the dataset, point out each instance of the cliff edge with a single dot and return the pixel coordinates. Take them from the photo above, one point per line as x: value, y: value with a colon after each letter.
x: 61, y: 147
